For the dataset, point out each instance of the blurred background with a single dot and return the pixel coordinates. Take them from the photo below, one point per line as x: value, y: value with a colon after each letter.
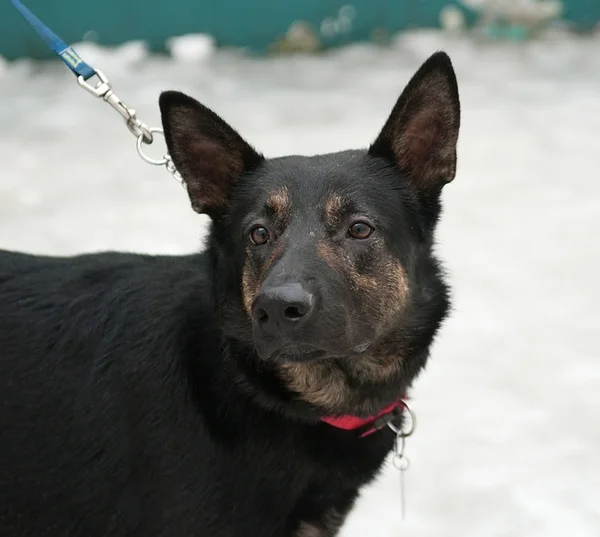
x: 508, y: 436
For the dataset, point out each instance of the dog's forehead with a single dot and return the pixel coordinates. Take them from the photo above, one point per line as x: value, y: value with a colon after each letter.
x: 313, y: 184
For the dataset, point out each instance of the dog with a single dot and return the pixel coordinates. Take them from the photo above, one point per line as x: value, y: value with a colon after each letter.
x: 218, y: 393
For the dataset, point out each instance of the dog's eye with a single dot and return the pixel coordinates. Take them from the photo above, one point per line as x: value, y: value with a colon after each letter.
x: 259, y: 235
x: 360, y: 230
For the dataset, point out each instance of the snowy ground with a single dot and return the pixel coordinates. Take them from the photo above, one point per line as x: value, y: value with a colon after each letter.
x: 508, y: 441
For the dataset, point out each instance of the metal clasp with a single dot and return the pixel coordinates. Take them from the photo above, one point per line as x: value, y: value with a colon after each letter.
x: 143, y: 133
x: 104, y: 91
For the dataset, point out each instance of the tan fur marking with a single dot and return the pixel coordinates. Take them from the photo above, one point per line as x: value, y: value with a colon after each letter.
x: 272, y: 258
x: 319, y: 383
x: 328, y: 254
x: 333, y: 207
x: 386, y: 291
x: 374, y: 368
x: 250, y: 286
x: 325, y: 386
x: 328, y: 526
x: 343, y: 264
x: 279, y: 201
x: 396, y: 288
x: 309, y: 530
x: 252, y: 278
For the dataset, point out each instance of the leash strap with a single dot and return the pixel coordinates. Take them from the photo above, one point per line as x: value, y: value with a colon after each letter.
x: 103, y: 89
x: 64, y: 51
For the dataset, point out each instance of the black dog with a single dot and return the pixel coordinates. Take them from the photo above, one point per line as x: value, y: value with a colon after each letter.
x: 205, y: 395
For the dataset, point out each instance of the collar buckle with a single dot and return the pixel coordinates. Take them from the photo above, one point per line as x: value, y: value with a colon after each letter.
x: 390, y: 419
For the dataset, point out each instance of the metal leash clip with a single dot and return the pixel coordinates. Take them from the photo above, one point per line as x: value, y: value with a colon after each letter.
x: 102, y: 89
x: 399, y: 459
x: 143, y: 133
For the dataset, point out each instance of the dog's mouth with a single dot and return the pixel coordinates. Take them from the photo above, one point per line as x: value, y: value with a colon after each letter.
x: 298, y: 353
x: 308, y: 353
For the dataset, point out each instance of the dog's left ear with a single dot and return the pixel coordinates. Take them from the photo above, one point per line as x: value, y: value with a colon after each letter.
x: 421, y: 133
x: 208, y: 153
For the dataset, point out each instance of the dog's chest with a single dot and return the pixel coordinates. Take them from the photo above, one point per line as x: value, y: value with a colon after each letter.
x: 286, y: 488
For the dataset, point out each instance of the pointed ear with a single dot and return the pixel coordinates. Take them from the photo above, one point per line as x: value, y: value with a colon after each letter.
x: 421, y: 133
x: 208, y: 153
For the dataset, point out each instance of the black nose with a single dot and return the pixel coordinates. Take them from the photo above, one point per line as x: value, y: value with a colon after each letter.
x: 283, y: 308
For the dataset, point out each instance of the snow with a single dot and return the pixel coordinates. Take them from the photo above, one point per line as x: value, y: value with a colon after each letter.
x: 191, y: 48
x: 508, y: 435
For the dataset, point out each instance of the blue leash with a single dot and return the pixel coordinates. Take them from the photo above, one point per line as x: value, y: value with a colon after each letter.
x: 64, y: 51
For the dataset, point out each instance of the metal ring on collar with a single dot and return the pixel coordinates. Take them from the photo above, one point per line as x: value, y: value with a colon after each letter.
x: 413, y: 423
x: 141, y: 140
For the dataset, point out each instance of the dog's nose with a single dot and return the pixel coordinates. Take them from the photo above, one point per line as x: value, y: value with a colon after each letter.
x: 283, y: 308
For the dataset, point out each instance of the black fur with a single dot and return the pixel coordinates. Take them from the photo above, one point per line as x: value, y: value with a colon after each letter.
x: 142, y: 396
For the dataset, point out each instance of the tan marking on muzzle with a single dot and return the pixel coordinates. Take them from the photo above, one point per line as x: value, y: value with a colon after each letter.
x: 396, y: 288
x: 329, y: 255
x: 253, y: 277
x: 250, y: 285
x: 384, y: 293
x: 339, y: 261
x: 384, y: 296
x: 275, y: 254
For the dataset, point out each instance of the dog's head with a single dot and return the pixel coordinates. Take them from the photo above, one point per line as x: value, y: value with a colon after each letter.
x: 324, y: 263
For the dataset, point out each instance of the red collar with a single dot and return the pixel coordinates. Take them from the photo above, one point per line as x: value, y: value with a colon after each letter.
x: 367, y: 426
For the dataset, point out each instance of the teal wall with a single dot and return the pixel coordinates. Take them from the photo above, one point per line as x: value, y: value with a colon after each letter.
x: 243, y: 23
x: 584, y: 13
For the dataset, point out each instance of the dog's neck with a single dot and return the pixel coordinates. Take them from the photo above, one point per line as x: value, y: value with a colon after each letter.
x: 263, y: 382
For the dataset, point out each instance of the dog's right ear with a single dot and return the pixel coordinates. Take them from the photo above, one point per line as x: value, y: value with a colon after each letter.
x: 208, y: 153
x: 421, y: 134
